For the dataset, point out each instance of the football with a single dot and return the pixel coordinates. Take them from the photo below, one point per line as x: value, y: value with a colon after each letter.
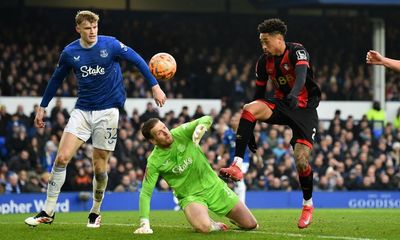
x: 162, y: 66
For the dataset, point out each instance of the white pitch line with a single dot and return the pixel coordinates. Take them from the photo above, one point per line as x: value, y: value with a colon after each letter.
x: 296, y: 235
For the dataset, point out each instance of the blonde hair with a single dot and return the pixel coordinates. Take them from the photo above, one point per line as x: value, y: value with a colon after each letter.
x: 86, y: 15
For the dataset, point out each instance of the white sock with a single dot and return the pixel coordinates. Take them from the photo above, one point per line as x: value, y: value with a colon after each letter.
x: 99, y: 186
x: 214, y: 226
x: 308, y: 202
x: 239, y: 162
x: 240, y: 190
x: 56, y: 180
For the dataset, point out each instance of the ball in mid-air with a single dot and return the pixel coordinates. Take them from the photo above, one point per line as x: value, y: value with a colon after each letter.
x: 162, y: 66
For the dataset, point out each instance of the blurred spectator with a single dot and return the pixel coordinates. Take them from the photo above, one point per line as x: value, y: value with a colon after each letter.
x: 125, y: 185
x: 150, y: 112
x: 377, y: 116
x: 33, y: 185
x: 12, y: 184
x: 5, y: 117
x: 351, y: 160
x: 82, y: 181
x: 198, y: 113
x: 20, y: 162
x: 47, y: 159
x: 113, y: 175
x: 396, y: 121
x: 17, y: 139
x: 23, y: 180
x: 58, y: 108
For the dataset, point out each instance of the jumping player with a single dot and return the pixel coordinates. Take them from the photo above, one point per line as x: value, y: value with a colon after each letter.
x: 294, y: 104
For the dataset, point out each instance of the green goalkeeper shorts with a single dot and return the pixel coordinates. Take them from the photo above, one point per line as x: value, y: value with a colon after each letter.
x: 219, y: 199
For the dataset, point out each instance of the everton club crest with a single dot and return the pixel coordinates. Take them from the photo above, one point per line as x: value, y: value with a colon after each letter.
x: 103, y: 53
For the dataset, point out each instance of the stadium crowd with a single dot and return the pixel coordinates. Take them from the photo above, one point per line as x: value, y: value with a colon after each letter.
x: 349, y: 154
x: 210, y: 54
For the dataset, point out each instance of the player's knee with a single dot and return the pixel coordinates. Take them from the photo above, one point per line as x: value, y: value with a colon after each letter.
x: 62, y: 159
x: 98, y: 169
x: 250, y: 108
x: 247, y: 107
x: 250, y: 224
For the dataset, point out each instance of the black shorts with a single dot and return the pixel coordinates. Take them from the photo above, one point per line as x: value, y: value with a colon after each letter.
x: 302, y: 121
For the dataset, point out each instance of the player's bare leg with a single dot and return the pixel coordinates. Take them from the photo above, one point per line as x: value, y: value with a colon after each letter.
x: 302, y: 153
x: 100, y: 179
x: 241, y: 216
x: 256, y: 110
x: 69, y: 144
x: 197, y: 215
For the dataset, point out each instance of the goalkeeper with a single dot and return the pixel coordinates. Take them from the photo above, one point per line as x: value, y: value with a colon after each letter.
x: 178, y: 158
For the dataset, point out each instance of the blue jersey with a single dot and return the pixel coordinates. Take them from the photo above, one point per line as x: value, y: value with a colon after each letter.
x: 230, y: 142
x: 100, y: 82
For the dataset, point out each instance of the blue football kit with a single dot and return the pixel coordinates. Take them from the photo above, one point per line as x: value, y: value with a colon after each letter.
x: 97, y: 69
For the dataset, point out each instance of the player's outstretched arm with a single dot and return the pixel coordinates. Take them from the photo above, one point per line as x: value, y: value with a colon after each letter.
x: 375, y: 58
x: 62, y: 70
x: 195, y: 129
x: 54, y: 83
x: 149, y: 182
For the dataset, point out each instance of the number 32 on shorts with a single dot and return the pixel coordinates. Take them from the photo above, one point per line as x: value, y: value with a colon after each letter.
x: 111, y: 135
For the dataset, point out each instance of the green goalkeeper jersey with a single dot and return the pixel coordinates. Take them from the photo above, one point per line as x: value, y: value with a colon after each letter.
x: 183, y: 165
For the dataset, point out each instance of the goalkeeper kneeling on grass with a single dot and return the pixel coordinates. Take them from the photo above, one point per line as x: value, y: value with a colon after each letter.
x: 178, y: 158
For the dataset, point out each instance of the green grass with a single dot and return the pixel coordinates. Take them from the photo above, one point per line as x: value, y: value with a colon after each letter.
x: 348, y: 224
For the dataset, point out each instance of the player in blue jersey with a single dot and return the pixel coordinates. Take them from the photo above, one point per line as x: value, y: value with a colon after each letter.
x: 94, y: 60
x: 229, y: 143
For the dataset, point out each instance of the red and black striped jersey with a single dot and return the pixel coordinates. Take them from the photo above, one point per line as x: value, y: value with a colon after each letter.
x: 281, y: 71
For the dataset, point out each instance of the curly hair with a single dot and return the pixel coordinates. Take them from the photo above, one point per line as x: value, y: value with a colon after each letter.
x: 273, y: 26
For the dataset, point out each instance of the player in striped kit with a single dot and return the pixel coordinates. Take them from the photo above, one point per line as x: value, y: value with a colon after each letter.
x: 296, y: 96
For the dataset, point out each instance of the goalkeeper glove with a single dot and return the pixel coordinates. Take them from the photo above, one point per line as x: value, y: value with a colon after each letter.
x: 144, y: 227
x: 198, y: 133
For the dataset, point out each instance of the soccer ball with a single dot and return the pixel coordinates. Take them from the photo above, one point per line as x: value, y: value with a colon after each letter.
x: 162, y: 66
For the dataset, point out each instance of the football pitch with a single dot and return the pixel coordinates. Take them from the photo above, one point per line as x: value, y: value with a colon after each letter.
x: 348, y: 224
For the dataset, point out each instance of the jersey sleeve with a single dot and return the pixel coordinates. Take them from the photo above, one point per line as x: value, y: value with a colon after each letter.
x: 124, y: 52
x: 149, y: 182
x: 299, y: 56
x: 300, y: 59
x: 62, y: 70
x: 187, y: 129
x: 261, y: 77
